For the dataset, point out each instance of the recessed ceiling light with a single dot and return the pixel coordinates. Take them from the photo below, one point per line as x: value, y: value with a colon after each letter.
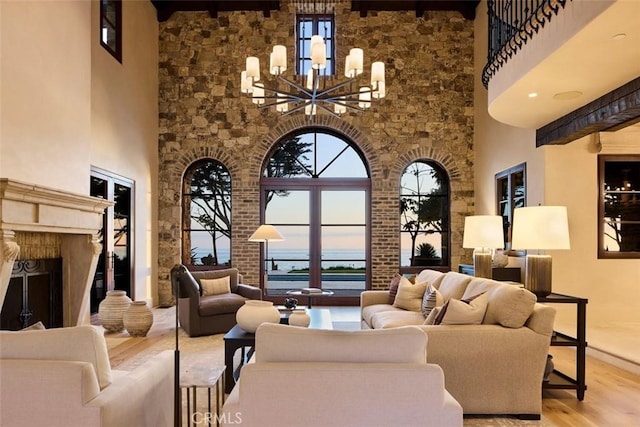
x: 619, y: 36
x: 532, y: 94
x: 565, y: 96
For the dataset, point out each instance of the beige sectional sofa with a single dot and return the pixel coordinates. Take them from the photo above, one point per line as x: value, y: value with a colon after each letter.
x: 318, y: 378
x: 495, y: 367
x: 62, y: 377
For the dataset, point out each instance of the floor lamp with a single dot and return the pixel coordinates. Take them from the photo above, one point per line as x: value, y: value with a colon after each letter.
x: 483, y: 233
x: 177, y: 395
x: 266, y: 233
x: 540, y: 228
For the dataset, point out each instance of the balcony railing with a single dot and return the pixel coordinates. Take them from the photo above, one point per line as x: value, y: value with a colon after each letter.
x: 512, y: 23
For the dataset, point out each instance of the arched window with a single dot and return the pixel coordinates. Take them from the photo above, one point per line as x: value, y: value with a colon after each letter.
x: 424, y: 215
x: 206, y: 214
x: 316, y: 192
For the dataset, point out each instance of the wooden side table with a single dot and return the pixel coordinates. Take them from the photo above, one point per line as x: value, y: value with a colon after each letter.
x: 559, y: 380
x: 211, y: 379
x: 508, y: 274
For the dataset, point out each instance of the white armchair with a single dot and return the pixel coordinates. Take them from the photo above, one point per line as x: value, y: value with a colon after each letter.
x: 62, y: 377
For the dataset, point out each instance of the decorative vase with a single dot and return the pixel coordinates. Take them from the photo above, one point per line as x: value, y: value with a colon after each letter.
x: 256, y: 312
x: 138, y: 319
x: 299, y: 318
x: 500, y: 259
x: 111, y: 310
x: 290, y: 303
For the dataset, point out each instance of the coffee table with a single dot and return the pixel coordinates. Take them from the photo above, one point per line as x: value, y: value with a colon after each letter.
x: 237, y: 338
x: 310, y: 295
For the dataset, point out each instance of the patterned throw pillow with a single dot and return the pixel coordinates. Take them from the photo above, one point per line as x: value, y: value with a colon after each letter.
x: 463, y: 312
x: 432, y: 299
x: 215, y: 286
x: 393, y: 287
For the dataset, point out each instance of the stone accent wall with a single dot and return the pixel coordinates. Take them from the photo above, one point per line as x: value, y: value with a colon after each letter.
x: 427, y: 114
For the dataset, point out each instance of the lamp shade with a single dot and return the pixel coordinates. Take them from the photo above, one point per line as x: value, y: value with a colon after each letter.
x: 266, y: 233
x: 483, y: 231
x: 540, y: 227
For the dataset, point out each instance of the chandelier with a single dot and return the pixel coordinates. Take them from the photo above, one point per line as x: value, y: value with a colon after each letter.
x: 311, y: 93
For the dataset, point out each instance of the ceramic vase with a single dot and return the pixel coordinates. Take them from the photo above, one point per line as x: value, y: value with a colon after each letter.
x: 299, y: 318
x: 254, y: 313
x: 111, y: 310
x: 138, y: 319
x: 500, y: 259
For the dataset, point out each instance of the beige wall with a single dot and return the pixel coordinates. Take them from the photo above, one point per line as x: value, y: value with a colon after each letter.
x: 46, y: 123
x: 124, y: 126
x: 562, y: 175
x: 67, y: 105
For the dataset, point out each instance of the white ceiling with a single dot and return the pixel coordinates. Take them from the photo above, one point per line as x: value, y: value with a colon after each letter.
x: 603, y: 56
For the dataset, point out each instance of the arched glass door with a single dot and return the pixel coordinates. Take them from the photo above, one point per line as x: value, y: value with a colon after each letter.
x: 316, y: 191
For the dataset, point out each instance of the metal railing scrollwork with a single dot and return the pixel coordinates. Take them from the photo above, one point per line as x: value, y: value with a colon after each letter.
x: 512, y: 23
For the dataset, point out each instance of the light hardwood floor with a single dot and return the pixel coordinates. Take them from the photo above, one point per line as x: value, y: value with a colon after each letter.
x: 612, y: 397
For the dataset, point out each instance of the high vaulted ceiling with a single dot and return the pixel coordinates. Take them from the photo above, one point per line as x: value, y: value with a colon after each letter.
x: 166, y: 8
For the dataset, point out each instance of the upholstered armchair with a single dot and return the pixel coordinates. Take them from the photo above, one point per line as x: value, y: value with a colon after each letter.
x: 202, y: 314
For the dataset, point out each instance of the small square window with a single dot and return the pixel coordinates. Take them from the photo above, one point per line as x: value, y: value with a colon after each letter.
x: 111, y: 27
x: 310, y: 25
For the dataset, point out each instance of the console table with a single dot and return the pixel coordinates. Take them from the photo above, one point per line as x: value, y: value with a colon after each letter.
x: 559, y: 380
x: 508, y: 274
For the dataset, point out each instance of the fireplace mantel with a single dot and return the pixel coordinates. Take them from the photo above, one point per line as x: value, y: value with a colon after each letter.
x: 75, y: 218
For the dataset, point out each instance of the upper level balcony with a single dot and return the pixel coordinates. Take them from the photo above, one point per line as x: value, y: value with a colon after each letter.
x: 552, y: 58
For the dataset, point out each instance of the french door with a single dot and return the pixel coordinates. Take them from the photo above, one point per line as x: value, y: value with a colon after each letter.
x: 324, y: 223
x: 114, y: 270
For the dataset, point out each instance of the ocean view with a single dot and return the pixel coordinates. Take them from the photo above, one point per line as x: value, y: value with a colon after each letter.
x: 292, y: 259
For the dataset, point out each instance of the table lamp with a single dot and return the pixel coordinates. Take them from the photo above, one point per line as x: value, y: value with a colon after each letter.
x: 540, y: 228
x: 483, y: 233
x: 266, y: 233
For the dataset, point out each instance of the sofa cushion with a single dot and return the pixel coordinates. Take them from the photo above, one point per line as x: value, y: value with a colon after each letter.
x: 283, y: 343
x: 220, y: 304
x: 463, y: 312
x: 215, y: 286
x: 453, y: 285
x: 394, y: 319
x: 432, y: 299
x: 410, y: 295
x: 369, y: 311
x: 433, y: 277
x: 393, y: 287
x: 233, y: 273
x: 509, y: 305
x: 79, y: 343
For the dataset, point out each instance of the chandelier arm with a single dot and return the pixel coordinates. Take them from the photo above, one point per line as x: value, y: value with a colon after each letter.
x: 335, y: 87
x: 295, y: 85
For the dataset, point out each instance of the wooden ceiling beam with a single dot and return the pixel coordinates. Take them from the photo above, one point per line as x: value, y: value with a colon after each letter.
x: 466, y: 8
x: 165, y: 8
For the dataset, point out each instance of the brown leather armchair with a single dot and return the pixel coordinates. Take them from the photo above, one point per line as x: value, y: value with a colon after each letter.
x: 213, y: 314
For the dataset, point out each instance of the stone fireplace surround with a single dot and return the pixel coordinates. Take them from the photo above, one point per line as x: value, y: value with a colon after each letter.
x: 38, y: 222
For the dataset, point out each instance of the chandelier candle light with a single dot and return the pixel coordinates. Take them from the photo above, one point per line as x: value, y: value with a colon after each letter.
x: 311, y: 94
x: 484, y: 233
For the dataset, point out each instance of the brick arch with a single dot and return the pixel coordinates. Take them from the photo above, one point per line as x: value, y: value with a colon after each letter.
x: 189, y: 157
x: 333, y: 123
x: 443, y: 158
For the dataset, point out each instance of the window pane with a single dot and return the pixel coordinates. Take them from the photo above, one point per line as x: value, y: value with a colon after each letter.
x: 287, y: 207
x: 343, y: 207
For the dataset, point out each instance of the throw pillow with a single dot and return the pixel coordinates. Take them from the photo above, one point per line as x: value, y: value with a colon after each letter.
x: 432, y: 299
x: 215, y: 286
x: 38, y: 326
x: 463, y: 312
x: 409, y: 295
x: 393, y: 287
x: 431, y: 318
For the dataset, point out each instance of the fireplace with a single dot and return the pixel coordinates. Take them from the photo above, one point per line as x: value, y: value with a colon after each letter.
x: 43, y: 224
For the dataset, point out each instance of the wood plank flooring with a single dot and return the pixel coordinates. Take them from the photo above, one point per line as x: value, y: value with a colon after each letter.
x: 612, y: 397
